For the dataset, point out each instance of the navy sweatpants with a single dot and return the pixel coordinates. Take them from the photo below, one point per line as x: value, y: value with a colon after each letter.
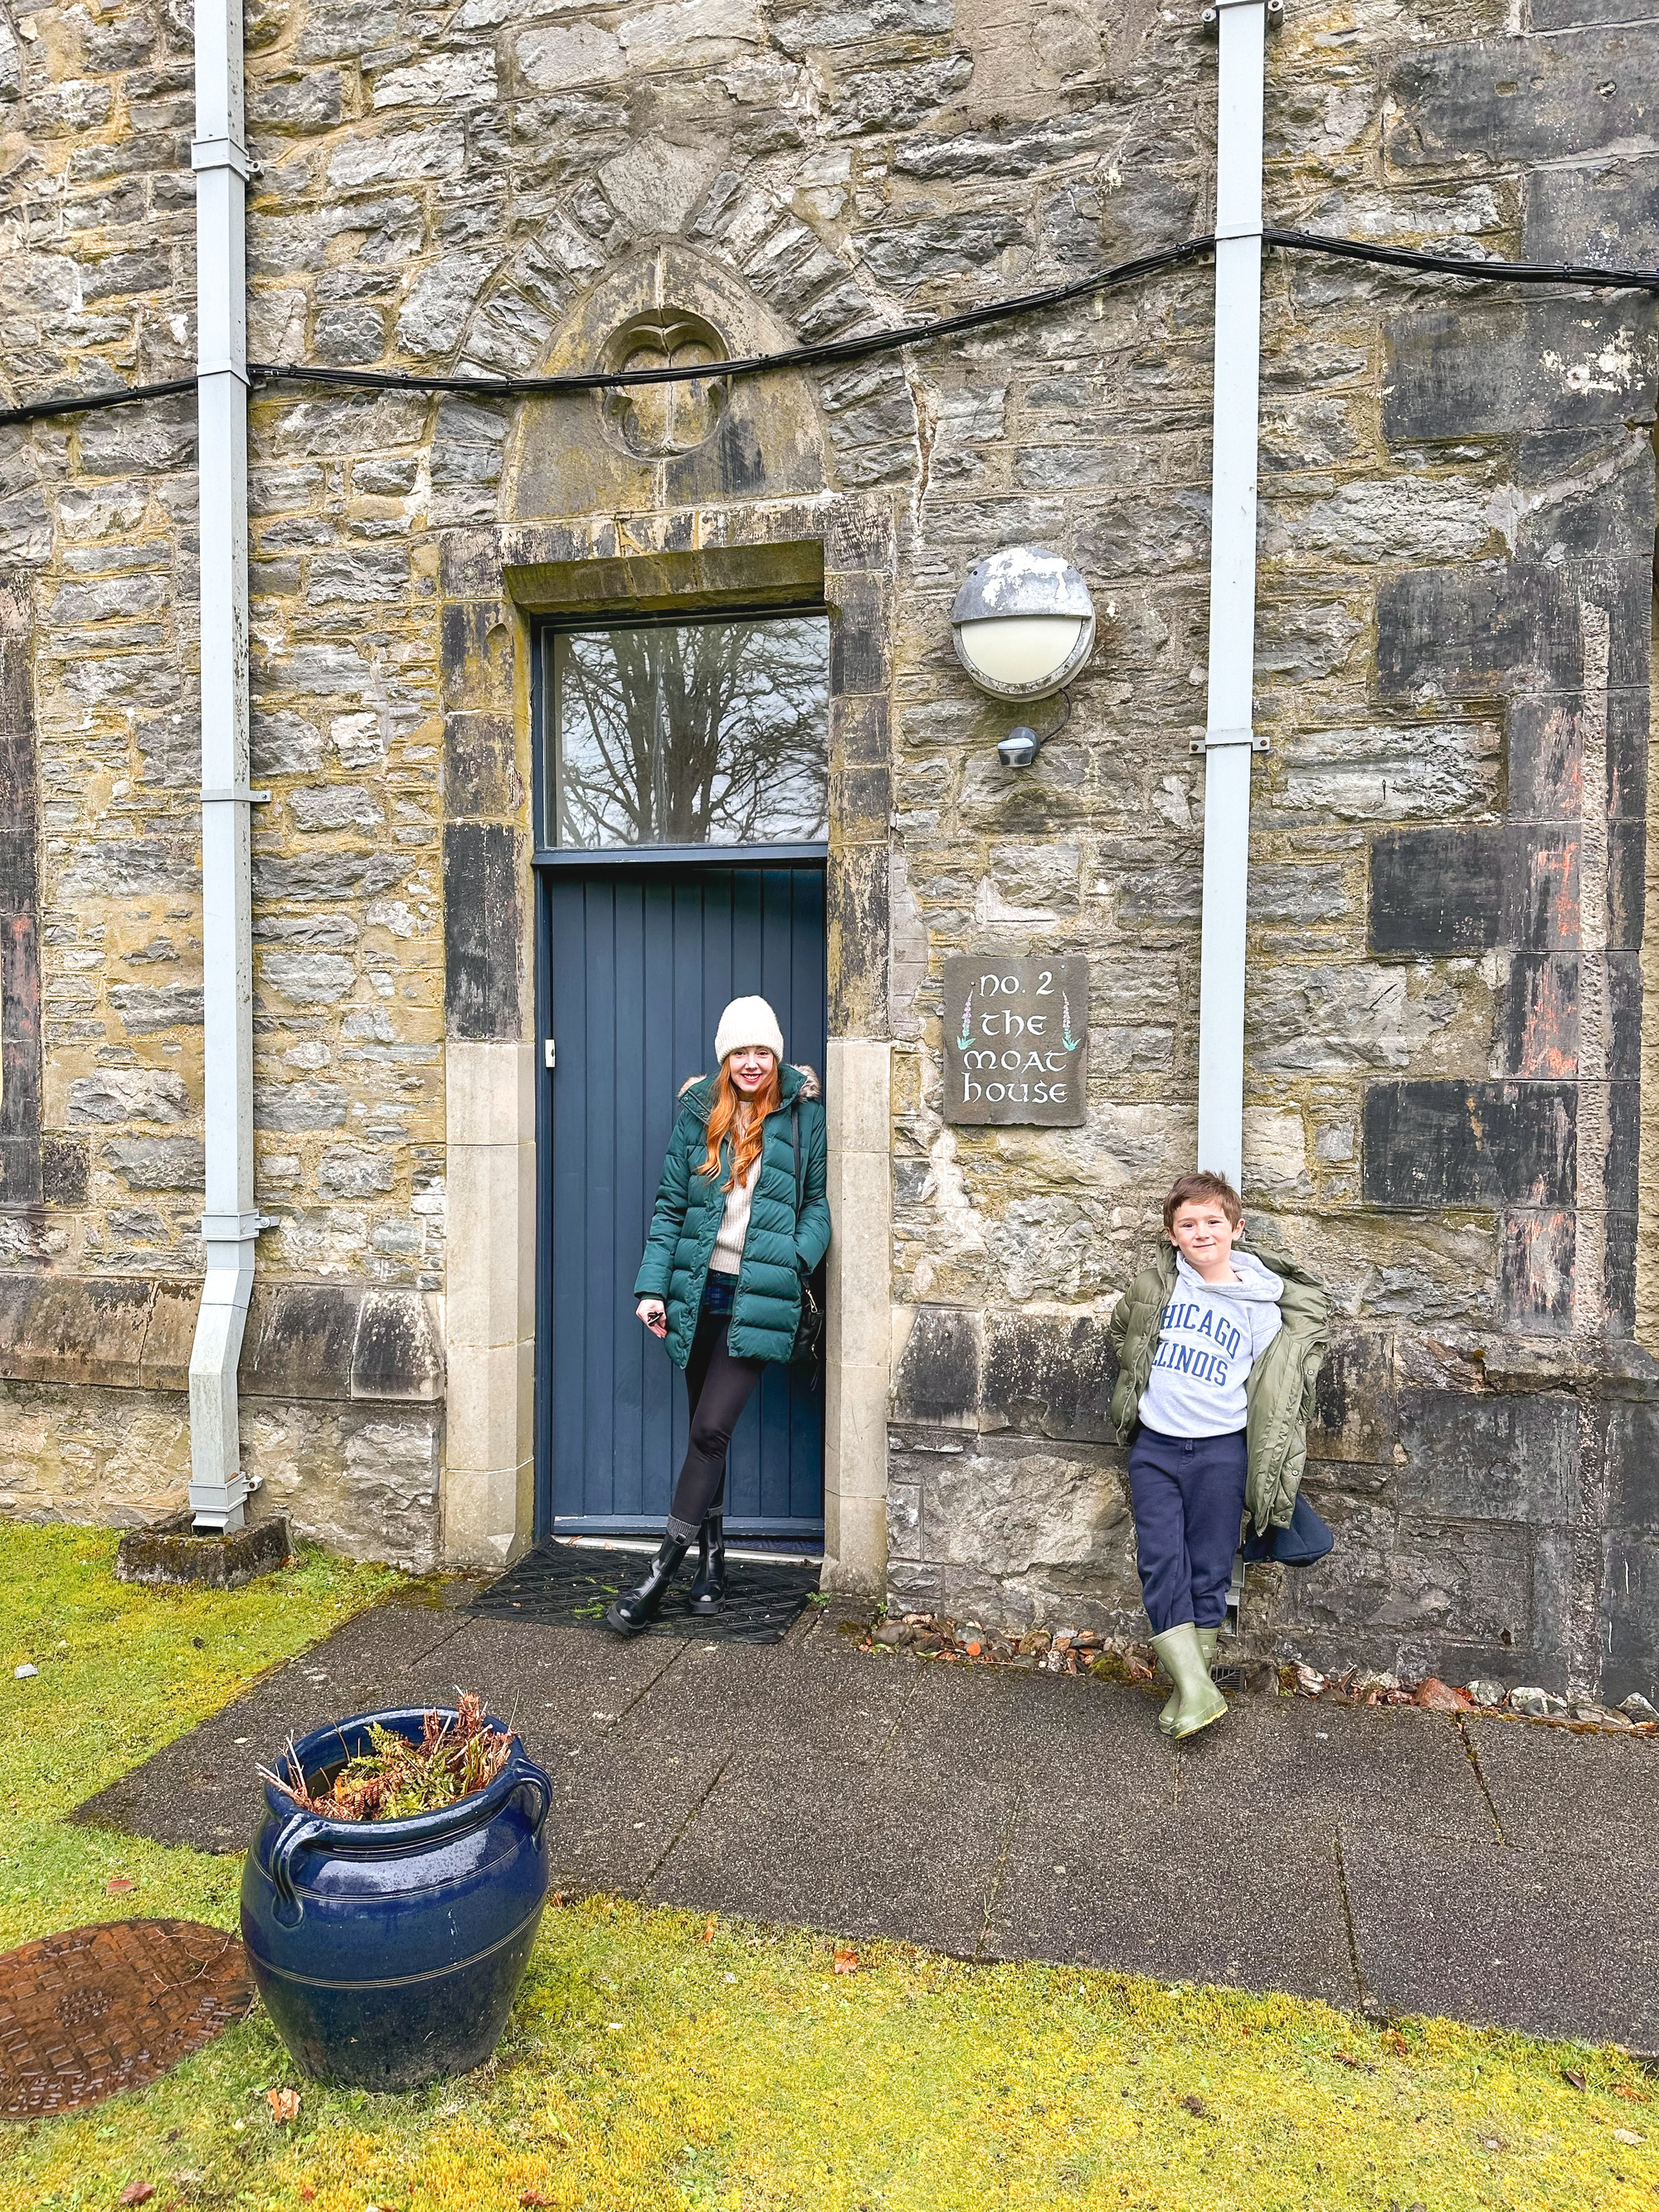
x: 1188, y: 1494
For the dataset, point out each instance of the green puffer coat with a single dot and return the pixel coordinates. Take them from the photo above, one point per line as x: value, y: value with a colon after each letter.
x: 1278, y: 1394
x: 781, y: 1246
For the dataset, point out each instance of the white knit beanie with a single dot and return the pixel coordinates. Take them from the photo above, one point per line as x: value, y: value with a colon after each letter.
x: 747, y: 1021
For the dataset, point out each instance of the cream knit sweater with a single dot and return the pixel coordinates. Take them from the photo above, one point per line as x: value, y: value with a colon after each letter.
x: 727, y: 1255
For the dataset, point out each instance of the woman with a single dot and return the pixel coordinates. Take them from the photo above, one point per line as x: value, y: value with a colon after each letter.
x: 738, y: 1221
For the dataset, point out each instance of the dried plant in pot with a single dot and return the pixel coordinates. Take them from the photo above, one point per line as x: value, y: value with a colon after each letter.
x: 393, y: 1891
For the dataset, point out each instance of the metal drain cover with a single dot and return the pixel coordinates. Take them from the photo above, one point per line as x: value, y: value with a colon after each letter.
x: 107, y: 2007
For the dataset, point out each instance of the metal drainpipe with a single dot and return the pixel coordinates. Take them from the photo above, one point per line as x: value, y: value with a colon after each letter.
x: 1229, y: 737
x: 218, y: 1488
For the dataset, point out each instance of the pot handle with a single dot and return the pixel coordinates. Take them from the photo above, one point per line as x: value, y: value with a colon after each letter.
x: 532, y: 1775
x: 298, y: 1833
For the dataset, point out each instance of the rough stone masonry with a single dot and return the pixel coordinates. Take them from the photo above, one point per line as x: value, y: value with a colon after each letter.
x: 1451, y: 1045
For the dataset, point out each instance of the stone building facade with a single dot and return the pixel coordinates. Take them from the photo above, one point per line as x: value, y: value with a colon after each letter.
x: 1450, y: 1041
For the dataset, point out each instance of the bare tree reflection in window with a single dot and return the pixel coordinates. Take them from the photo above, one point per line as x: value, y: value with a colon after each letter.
x: 712, y: 733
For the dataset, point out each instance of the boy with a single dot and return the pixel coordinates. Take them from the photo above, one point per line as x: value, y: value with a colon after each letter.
x: 1218, y: 1347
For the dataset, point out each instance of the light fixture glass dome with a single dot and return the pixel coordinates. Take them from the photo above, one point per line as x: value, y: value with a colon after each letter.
x: 1023, y: 623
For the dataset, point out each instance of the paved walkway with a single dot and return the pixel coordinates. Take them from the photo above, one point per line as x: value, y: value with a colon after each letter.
x: 1392, y: 1861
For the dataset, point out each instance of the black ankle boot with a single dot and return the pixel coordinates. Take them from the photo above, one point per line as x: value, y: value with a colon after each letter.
x: 708, y: 1591
x: 635, y: 1609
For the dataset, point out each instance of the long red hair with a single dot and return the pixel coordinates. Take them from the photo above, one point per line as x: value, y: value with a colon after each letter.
x: 722, y: 1122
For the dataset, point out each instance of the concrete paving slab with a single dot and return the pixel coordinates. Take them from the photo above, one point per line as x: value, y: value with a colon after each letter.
x: 524, y: 1669
x: 1557, y: 1944
x: 775, y: 1705
x: 202, y: 1789
x: 1406, y: 1770
x: 1549, y: 1786
x: 840, y: 1851
x: 937, y: 1804
x: 1186, y: 1892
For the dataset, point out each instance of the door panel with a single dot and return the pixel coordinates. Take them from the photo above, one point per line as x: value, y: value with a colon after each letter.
x: 640, y: 963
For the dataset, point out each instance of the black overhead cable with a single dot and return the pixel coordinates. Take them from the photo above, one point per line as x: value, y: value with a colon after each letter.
x: 866, y: 344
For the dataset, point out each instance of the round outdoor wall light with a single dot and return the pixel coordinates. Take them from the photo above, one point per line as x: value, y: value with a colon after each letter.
x: 1023, y: 622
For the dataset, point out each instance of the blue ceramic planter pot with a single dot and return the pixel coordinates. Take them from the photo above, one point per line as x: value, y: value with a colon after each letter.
x: 389, y: 1952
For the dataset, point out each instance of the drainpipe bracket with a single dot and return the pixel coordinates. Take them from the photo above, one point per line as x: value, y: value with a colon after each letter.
x: 236, y: 1228
x: 224, y: 154
x: 1214, y: 740
x: 1211, y: 16
x: 236, y: 794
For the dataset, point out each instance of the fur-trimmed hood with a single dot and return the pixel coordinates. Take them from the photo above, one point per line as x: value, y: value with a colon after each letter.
x: 796, y: 1085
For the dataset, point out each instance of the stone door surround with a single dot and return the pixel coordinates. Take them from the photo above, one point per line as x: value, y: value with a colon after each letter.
x: 498, y: 585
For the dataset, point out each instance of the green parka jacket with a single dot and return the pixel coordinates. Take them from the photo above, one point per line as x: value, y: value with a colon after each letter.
x: 1278, y: 1394
x: 781, y: 1246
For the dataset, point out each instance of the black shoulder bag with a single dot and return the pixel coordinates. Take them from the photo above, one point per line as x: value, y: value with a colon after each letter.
x: 809, y: 1329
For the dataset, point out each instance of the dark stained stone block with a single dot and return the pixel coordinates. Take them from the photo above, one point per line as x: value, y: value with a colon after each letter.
x: 395, y: 1355
x: 1624, y: 1145
x: 859, y: 732
x: 1437, y: 891
x: 1605, y: 213
x: 480, y: 766
x: 1627, y: 842
x: 1524, y: 99
x: 1632, y: 1465
x: 1469, y: 1143
x: 1513, y: 365
x: 857, y: 891
x: 1445, y: 890
x: 1489, y: 628
x: 63, y: 1171
x: 482, y: 931
x: 1537, y: 1030
x: 858, y: 636
x: 475, y: 645
x: 1054, y: 1376
x: 1618, y: 1278
x: 299, y: 1339
x: 1356, y: 1418
x: 1488, y: 1457
x: 938, y: 1375
x: 73, y: 1328
x: 1537, y: 1248
x: 1630, y: 1597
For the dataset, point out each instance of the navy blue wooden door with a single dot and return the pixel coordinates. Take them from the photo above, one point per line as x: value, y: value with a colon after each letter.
x: 639, y: 961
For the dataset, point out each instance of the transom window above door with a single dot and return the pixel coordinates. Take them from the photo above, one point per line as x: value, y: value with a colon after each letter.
x: 691, y: 733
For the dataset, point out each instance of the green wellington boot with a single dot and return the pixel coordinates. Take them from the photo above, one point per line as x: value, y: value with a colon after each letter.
x: 1206, y: 1637
x: 1197, y: 1701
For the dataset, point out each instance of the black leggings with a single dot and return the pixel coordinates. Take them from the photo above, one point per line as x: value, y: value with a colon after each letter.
x: 717, y: 1388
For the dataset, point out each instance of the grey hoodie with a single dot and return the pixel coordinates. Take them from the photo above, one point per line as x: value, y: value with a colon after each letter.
x: 1209, y: 1337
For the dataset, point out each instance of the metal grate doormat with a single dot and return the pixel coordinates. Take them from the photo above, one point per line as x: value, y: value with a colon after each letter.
x: 574, y: 1583
x: 111, y: 2007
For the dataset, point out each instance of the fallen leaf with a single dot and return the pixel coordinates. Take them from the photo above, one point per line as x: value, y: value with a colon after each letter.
x: 1196, y: 2106
x: 534, y: 2196
x: 137, y: 2192
x: 284, y: 2104
x: 1573, y: 2080
x: 1630, y: 2096
x: 1627, y: 2135
x: 1435, y: 1696
x: 846, y: 1959
x: 118, y: 1886
x: 973, y: 1649
x: 307, y: 2192
x: 709, y: 1930
x: 1397, y: 2043
x: 1359, y: 2065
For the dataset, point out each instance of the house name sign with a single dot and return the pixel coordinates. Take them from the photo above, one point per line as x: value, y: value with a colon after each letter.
x: 1017, y: 1039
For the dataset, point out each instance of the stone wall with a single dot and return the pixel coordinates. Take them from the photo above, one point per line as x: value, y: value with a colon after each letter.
x: 1445, y: 1042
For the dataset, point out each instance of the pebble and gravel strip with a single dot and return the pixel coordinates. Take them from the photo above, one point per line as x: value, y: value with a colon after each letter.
x: 1123, y: 1659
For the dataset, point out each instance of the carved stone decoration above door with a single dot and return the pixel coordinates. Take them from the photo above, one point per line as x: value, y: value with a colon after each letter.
x: 659, y: 420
